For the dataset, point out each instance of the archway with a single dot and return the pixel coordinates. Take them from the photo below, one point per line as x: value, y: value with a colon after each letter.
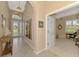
x: 63, y: 45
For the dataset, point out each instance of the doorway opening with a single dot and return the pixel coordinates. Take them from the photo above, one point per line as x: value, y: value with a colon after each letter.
x: 17, y: 26
x: 56, y: 37
x: 57, y: 28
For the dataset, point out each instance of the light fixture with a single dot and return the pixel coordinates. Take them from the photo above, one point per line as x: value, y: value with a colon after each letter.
x: 18, y: 7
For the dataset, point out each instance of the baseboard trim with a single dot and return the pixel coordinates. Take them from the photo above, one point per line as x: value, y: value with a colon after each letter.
x: 38, y: 52
x: 28, y: 43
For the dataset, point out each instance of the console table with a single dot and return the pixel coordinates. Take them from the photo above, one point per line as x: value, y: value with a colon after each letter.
x: 5, y: 45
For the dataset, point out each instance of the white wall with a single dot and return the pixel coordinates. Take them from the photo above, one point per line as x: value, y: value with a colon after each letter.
x: 68, y: 12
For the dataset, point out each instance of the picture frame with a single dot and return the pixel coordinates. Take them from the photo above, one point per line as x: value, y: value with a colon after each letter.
x: 59, y: 26
x: 29, y: 29
x: 3, y: 21
x: 40, y: 24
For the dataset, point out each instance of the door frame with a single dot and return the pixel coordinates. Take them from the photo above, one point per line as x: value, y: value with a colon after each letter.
x: 51, y: 18
x: 18, y: 27
x: 56, y: 11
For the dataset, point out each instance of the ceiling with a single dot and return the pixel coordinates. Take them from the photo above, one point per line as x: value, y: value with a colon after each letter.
x: 14, y: 4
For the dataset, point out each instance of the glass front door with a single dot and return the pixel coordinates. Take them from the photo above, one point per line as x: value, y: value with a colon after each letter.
x: 16, y: 28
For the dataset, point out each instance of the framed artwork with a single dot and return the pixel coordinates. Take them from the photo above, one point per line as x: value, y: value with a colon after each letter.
x: 0, y: 20
x: 3, y: 21
x: 59, y: 26
x: 29, y: 29
x: 2, y: 24
x: 40, y: 24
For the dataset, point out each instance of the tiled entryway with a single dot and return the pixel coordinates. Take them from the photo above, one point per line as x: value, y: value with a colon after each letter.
x: 65, y: 48
x: 22, y: 49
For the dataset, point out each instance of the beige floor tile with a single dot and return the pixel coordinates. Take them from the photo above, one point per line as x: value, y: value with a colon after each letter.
x: 21, y: 49
x: 65, y: 48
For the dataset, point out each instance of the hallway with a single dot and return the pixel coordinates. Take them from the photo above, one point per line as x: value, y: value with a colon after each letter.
x: 28, y: 19
x: 21, y: 49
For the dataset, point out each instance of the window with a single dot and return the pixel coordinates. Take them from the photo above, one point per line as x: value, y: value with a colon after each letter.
x: 69, y: 22
x: 72, y: 26
x: 16, y: 17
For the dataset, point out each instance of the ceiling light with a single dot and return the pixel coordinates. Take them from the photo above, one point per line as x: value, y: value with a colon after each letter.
x: 18, y: 7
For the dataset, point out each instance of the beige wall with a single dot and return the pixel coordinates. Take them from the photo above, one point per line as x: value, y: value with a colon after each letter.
x: 54, y: 5
x: 27, y: 15
x: 60, y: 33
x: 4, y: 9
x: 32, y: 11
x: 40, y: 10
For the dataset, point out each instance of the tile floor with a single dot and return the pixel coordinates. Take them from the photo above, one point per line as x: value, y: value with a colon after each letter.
x: 21, y: 49
x: 65, y: 48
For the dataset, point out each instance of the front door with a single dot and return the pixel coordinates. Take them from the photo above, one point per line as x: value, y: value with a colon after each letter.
x: 17, y: 28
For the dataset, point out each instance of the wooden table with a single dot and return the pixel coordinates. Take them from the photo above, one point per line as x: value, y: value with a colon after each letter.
x: 4, y: 40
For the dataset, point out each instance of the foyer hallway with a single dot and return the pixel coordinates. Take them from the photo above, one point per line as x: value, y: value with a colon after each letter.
x: 21, y: 49
x: 33, y: 27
